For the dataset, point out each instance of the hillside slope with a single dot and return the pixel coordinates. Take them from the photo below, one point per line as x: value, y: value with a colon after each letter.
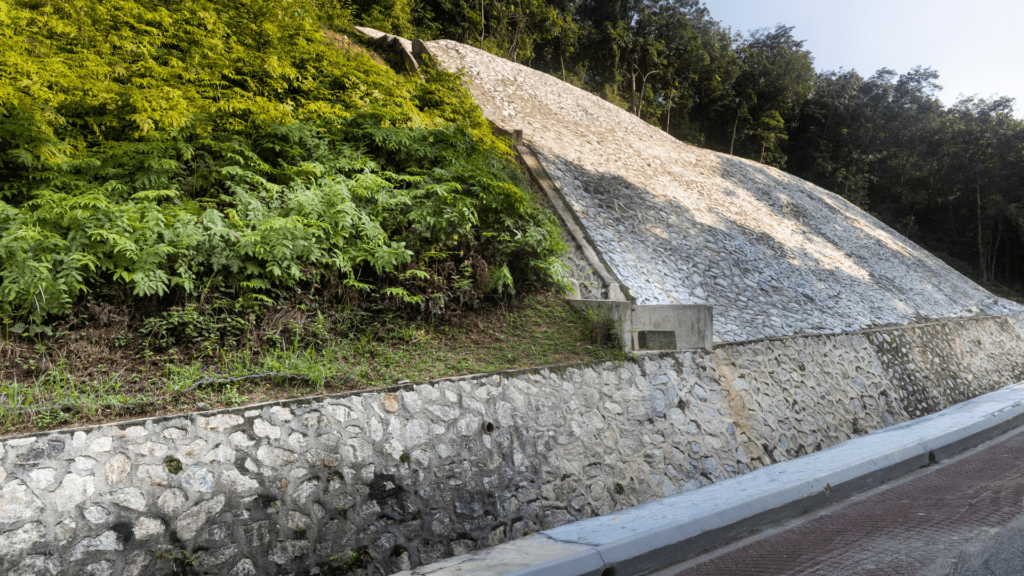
x: 678, y: 224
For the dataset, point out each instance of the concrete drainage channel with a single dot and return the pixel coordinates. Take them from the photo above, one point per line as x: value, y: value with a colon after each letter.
x: 644, y: 538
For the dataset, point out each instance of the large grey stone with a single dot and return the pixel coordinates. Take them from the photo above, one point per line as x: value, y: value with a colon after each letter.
x: 65, y: 530
x: 287, y: 550
x: 280, y: 414
x: 147, y: 527
x: 101, y: 444
x: 221, y: 422
x: 237, y: 482
x: 136, y: 563
x: 96, y: 514
x: 416, y: 432
x: 152, y: 474
x: 131, y: 498
x: 153, y: 449
x: 108, y: 541
x: 47, y: 451
x: 117, y: 469
x: 42, y: 478
x: 258, y: 533
x: 102, y: 568
x: 264, y: 429
x: 15, y: 542
x: 243, y: 568
x: 211, y: 558
x: 240, y: 440
x: 38, y: 565
x: 73, y: 490
x: 190, y: 521
x: 197, y: 478
x: 171, y: 500
x: 18, y: 503
x: 276, y: 457
x: 223, y: 453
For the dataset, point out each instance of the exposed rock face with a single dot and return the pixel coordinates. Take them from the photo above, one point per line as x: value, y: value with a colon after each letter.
x: 774, y: 254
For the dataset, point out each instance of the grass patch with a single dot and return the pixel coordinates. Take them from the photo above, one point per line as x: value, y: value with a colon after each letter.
x: 101, y: 366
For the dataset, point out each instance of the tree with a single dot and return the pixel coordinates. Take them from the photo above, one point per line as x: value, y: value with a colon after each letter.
x: 835, y: 141
x: 982, y: 157
x: 696, y: 54
x: 776, y: 76
x: 512, y: 29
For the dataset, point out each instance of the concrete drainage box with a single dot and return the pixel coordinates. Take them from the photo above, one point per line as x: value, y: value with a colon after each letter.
x: 654, y: 327
x: 671, y: 327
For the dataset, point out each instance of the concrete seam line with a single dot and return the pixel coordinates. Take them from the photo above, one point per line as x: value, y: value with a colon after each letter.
x: 568, y: 216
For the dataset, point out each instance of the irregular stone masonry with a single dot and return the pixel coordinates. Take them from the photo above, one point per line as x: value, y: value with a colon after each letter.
x: 774, y: 254
x: 412, y: 475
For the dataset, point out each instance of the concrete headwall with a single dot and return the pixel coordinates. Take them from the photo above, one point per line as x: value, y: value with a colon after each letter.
x: 380, y: 481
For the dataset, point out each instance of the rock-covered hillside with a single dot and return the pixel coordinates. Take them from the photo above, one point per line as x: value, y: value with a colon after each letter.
x: 678, y: 224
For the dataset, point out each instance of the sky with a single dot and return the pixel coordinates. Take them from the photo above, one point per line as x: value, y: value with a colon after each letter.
x: 976, y: 47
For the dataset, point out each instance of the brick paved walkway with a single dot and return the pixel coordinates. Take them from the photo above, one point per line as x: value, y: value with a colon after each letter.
x: 917, y: 524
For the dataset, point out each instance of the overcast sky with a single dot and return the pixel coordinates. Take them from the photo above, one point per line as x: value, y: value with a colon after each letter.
x: 976, y: 47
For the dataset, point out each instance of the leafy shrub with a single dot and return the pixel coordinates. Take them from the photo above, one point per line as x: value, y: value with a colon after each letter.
x: 162, y: 146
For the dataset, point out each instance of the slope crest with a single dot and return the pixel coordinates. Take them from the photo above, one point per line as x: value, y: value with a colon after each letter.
x: 678, y: 224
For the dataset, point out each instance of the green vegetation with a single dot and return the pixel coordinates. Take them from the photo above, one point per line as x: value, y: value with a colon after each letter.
x: 101, y: 366
x: 161, y: 150
x: 195, y: 193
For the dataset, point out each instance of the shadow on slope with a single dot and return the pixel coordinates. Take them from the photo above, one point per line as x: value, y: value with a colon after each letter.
x: 818, y: 264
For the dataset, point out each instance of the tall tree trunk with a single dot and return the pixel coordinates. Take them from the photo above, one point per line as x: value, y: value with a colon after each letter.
x: 632, y: 93
x: 981, y: 247
x: 668, y: 118
x: 643, y: 89
x: 952, y: 222
x: 995, y: 251
x: 481, y: 24
x: 733, y: 142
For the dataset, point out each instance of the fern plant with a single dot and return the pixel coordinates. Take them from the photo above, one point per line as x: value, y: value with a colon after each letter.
x: 160, y: 146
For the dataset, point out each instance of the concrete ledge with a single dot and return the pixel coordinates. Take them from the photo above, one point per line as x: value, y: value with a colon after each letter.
x: 572, y: 222
x: 690, y: 324
x: 404, y: 47
x: 646, y: 537
x: 678, y: 326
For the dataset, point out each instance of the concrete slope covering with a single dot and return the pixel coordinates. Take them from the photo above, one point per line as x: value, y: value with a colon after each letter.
x: 682, y: 225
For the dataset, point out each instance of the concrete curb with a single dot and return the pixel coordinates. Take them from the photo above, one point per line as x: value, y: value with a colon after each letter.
x: 644, y: 538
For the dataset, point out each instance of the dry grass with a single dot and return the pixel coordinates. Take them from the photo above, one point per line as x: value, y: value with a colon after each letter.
x: 106, y: 367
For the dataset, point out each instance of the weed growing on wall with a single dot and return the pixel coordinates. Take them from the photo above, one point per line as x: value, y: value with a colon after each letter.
x: 151, y: 150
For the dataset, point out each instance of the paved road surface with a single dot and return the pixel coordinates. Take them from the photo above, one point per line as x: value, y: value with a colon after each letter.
x: 962, y: 517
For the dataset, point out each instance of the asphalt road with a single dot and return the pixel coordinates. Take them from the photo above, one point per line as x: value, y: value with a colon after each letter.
x: 962, y: 517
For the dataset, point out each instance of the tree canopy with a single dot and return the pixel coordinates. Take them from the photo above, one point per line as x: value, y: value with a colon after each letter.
x: 949, y: 177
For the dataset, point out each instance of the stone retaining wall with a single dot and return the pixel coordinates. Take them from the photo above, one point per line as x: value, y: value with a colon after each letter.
x: 384, y: 480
